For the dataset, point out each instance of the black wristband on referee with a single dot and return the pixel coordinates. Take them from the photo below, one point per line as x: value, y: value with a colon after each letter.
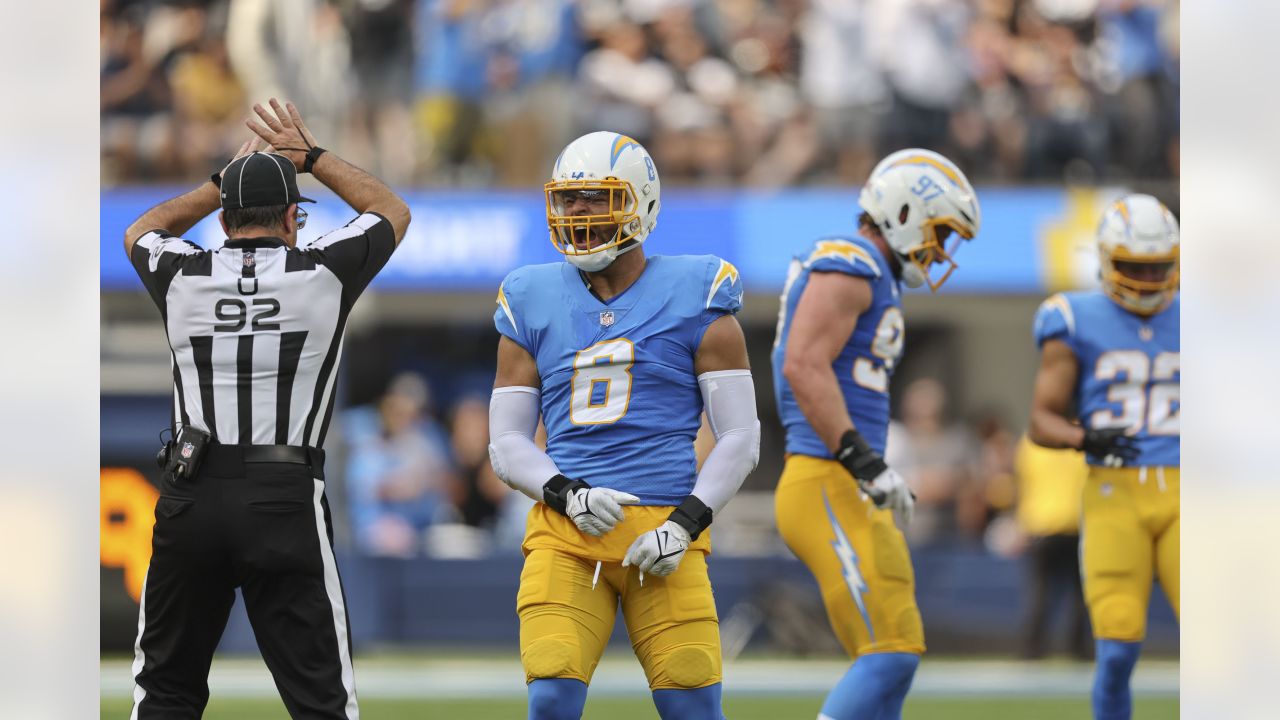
x: 858, y: 458
x: 217, y: 179
x: 555, y: 492
x: 312, y: 155
x: 693, y: 515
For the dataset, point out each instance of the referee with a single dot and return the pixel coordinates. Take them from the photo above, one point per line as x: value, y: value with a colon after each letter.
x: 255, y: 332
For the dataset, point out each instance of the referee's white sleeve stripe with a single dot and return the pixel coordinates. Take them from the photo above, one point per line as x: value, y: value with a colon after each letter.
x: 355, y: 228
x: 157, y: 242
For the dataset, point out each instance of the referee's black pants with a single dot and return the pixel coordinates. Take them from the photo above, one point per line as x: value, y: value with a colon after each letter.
x: 265, y: 528
x: 1054, y: 563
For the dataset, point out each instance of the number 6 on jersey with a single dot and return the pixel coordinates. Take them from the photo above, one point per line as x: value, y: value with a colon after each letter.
x: 602, y: 382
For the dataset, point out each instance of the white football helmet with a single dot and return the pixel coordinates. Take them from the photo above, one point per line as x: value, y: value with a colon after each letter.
x: 917, y: 199
x: 602, y: 200
x: 1138, y: 249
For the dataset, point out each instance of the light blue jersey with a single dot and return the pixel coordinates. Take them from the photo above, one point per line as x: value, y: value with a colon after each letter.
x: 866, y: 363
x: 1130, y: 369
x: 619, y: 396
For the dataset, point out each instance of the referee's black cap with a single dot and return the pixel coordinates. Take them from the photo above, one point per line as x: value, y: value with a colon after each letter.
x: 260, y: 179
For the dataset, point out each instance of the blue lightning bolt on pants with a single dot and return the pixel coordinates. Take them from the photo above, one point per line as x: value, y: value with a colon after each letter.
x: 863, y: 568
x: 855, y: 552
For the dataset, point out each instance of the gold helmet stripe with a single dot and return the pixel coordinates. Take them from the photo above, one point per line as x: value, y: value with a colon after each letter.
x: 925, y: 160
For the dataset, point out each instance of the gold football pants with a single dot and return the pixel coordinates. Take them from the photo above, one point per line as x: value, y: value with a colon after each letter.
x: 1130, y: 535
x: 565, y: 623
x: 856, y: 553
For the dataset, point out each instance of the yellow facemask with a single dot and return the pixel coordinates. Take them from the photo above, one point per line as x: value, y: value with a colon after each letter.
x: 617, y: 210
x: 1134, y: 294
x: 933, y: 251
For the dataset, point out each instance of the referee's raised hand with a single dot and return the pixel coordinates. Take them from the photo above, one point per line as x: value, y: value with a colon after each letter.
x: 284, y: 131
x: 281, y: 127
x: 249, y: 147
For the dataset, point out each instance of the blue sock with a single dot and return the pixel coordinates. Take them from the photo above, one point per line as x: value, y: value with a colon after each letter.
x: 697, y: 704
x: 873, y: 689
x: 557, y: 699
x: 1111, y: 698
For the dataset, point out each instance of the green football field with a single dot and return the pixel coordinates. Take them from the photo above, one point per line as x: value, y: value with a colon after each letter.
x: 490, y: 686
x: 751, y: 708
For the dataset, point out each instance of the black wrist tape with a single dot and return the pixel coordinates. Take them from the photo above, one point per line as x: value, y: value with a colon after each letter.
x: 693, y: 515
x: 312, y: 155
x: 555, y: 492
x: 858, y: 458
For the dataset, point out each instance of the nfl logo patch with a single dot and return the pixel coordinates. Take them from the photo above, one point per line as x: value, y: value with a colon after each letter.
x: 250, y: 259
x: 187, y: 449
x: 606, y: 318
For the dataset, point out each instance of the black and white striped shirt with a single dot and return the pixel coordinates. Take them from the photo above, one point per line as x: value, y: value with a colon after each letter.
x: 255, y: 328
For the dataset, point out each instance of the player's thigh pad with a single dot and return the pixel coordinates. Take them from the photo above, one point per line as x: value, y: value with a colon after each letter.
x: 673, y: 625
x: 856, y: 553
x: 1116, y: 557
x: 564, y: 622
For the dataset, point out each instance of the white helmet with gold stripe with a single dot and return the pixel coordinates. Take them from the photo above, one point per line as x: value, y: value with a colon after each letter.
x: 918, y: 199
x: 1138, y: 249
x: 602, y: 199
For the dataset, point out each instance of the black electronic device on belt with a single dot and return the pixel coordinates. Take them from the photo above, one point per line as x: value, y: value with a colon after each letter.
x: 180, y: 458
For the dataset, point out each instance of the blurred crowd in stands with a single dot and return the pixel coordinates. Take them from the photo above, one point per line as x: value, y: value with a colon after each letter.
x: 409, y: 473
x: 743, y: 92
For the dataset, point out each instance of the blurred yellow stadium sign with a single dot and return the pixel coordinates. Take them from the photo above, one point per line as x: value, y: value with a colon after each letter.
x: 128, y: 504
x: 1069, y: 244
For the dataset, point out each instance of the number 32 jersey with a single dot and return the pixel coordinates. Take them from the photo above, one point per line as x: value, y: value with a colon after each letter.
x: 1130, y: 368
x: 867, y: 360
x: 620, y: 399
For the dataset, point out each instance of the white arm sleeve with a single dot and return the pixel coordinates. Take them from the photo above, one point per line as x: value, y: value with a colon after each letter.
x: 513, y: 420
x: 730, y: 399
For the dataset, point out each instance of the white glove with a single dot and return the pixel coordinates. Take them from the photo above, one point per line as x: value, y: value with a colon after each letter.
x: 659, y: 551
x: 597, y: 510
x: 891, y: 491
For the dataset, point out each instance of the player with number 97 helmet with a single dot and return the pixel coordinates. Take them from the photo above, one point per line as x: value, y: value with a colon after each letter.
x: 918, y: 200
x: 840, y: 336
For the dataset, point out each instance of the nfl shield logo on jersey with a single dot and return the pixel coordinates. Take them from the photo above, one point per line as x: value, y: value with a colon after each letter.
x: 606, y: 318
x: 250, y: 259
x: 187, y: 449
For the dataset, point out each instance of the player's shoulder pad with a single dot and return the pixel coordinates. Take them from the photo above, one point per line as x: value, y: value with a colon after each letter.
x: 723, y: 285
x: 518, y: 291
x: 1055, y: 319
x: 852, y: 256
x: 718, y: 280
